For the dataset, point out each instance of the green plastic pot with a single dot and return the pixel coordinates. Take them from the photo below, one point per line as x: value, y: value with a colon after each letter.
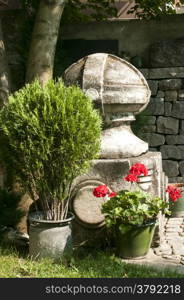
x: 134, y: 241
x: 177, y: 208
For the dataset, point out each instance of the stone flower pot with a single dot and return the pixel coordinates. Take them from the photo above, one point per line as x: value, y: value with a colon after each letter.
x: 51, y: 239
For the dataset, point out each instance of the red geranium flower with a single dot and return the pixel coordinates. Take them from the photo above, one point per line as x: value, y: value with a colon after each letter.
x: 113, y: 194
x: 101, y: 191
x: 174, y: 192
x: 138, y: 169
x: 131, y: 177
x: 170, y: 189
x: 175, y: 195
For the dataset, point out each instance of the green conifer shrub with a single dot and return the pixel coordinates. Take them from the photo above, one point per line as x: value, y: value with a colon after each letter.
x: 51, y: 134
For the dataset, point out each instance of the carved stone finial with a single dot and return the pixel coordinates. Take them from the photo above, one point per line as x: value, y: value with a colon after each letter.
x: 121, y: 92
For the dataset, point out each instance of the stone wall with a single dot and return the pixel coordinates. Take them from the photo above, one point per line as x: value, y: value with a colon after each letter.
x: 135, y: 37
x: 160, y: 46
x: 163, y: 118
x: 13, y: 30
x: 132, y: 38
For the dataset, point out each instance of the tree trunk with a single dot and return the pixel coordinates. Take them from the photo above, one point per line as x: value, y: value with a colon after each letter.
x: 4, y: 92
x: 44, y: 39
x: 4, y: 72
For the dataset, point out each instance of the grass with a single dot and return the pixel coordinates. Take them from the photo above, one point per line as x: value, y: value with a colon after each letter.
x: 85, y: 263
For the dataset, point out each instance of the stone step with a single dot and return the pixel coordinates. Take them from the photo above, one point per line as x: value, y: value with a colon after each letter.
x: 173, y: 230
x: 173, y: 234
x: 176, y: 251
x: 172, y: 258
x: 179, y: 221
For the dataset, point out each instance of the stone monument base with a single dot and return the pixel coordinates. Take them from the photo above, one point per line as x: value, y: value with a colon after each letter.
x: 89, y: 226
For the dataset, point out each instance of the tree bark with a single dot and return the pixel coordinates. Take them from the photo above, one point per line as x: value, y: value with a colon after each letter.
x: 4, y: 72
x: 44, y: 39
x: 4, y: 93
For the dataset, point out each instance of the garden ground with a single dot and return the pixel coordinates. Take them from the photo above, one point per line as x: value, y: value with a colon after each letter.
x: 85, y: 263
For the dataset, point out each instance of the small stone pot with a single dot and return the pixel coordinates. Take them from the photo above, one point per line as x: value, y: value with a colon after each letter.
x: 177, y: 208
x: 133, y: 242
x: 47, y: 238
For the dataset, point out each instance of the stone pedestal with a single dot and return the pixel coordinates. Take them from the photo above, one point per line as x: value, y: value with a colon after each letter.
x: 120, y: 92
x: 89, y: 222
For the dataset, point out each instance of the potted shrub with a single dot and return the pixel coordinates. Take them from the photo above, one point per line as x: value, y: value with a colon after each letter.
x: 132, y: 215
x: 51, y: 136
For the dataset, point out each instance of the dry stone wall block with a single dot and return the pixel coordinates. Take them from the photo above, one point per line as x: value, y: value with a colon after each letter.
x: 167, y: 125
x: 168, y: 109
x: 181, y: 149
x: 149, y: 128
x: 160, y: 94
x: 170, y: 139
x: 180, y: 139
x: 171, y: 95
x: 177, y: 179
x: 153, y: 139
x: 148, y: 120
x: 181, y: 167
x: 155, y: 107
x: 178, y: 110
x: 182, y: 127
x: 153, y: 85
x: 170, y: 152
x: 162, y: 73
x: 170, y: 84
x: 170, y: 167
x: 174, y: 139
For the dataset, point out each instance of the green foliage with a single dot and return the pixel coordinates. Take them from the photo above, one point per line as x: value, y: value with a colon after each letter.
x: 136, y: 208
x: 148, y: 9
x: 75, y: 10
x: 10, y: 214
x: 30, y: 5
x: 51, y: 135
